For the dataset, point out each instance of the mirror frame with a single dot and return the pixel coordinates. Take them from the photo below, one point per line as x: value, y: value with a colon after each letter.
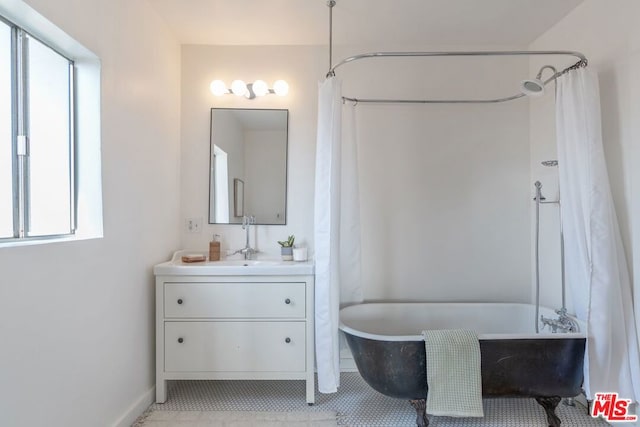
x: 232, y: 202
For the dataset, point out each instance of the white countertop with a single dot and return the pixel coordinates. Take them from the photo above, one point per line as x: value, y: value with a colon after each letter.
x: 232, y: 266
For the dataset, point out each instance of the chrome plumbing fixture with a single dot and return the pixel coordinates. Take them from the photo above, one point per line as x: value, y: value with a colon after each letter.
x: 563, y: 323
x: 247, y: 251
x: 537, y: 199
x: 554, y: 163
x: 535, y: 87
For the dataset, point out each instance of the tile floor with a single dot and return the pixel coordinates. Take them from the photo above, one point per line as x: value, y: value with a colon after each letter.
x: 356, y: 404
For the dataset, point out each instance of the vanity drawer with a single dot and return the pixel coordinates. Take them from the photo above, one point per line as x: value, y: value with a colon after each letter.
x: 235, y: 347
x: 234, y: 300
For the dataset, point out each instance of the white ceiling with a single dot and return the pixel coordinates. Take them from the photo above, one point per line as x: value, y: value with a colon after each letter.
x: 412, y: 22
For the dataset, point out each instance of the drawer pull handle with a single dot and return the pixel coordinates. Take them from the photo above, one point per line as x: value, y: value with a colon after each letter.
x: 287, y: 301
x: 180, y: 340
x: 180, y: 301
x: 287, y: 340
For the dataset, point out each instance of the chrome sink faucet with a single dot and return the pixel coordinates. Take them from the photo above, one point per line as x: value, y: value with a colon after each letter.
x: 247, y: 251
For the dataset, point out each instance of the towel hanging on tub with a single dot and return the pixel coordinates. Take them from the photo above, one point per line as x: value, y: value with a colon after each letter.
x: 453, y: 373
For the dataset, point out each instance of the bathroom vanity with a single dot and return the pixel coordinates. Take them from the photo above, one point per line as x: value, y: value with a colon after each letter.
x: 234, y: 320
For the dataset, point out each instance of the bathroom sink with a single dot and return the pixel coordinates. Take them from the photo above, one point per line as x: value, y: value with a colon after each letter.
x: 247, y: 263
x: 232, y: 267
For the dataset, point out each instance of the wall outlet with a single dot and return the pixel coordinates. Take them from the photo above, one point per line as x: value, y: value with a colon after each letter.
x: 193, y: 225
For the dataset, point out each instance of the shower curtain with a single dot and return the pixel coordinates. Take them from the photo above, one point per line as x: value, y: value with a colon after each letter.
x: 596, y: 269
x: 337, y: 228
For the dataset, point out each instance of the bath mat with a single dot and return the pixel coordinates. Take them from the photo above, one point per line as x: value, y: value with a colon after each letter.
x: 453, y: 373
x: 154, y: 418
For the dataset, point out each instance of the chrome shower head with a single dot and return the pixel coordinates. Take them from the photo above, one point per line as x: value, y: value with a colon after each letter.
x: 532, y: 87
x: 535, y: 87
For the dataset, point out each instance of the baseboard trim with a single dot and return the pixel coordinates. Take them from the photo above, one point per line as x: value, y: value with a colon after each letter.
x: 347, y: 364
x: 137, y: 409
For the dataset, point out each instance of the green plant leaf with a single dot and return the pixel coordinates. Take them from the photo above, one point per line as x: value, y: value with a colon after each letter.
x: 287, y: 243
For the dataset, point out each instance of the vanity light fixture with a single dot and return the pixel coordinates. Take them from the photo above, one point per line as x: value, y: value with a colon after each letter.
x: 249, y: 90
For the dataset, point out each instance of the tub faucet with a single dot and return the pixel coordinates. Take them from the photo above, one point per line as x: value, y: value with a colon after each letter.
x: 247, y: 251
x: 563, y: 323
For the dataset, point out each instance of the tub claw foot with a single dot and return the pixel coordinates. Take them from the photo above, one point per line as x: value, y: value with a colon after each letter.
x: 549, y: 404
x: 420, y: 405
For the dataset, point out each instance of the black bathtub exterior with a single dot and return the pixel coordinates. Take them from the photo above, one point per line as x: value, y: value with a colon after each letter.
x: 540, y: 368
x: 510, y: 367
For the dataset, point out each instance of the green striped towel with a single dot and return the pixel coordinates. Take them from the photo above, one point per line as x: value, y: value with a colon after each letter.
x: 453, y: 373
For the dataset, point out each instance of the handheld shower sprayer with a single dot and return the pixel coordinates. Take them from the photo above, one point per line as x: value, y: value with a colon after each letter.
x: 538, y: 196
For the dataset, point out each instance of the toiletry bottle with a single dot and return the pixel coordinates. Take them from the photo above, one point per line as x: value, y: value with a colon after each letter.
x: 214, y: 248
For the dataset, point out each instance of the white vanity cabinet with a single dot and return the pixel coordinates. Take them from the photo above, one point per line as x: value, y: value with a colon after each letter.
x: 255, y: 325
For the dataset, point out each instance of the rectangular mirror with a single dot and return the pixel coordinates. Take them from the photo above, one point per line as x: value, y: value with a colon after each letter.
x: 248, y: 166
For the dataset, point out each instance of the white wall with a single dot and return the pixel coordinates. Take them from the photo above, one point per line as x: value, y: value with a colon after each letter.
x: 445, y: 189
x: 76, y: 318
x: 301, y: 67
x: 609, y: 35
x: 445, y: 201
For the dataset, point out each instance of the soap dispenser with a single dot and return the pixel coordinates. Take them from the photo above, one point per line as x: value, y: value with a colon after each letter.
x: 214, y: 248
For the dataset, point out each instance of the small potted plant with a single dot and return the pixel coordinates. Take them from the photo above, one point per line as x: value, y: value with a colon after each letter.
x: 286, y: 249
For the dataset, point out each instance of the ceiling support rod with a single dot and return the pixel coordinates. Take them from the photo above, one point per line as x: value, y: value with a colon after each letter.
x: 331, y: 4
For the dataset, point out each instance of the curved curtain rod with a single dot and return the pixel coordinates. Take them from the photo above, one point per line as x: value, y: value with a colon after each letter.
x: 582, y: 61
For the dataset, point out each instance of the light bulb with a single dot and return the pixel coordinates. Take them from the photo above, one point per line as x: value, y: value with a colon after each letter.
x: 218, y: 87
x: 281, y: 88
x: 238, y: 87
x: 260, y: 88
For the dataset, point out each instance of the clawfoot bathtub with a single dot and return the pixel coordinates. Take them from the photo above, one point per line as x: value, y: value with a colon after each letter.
x: 387, y: 345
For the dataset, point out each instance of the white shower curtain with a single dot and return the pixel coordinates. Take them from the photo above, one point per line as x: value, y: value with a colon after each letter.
x: 596, y: 269
x: 337, y: 228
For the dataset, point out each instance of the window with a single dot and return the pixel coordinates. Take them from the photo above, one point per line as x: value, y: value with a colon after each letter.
x: 37, y: 184
x: 6, y: 151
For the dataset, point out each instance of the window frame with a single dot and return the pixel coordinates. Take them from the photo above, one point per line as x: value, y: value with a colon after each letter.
x: 20, y: 138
